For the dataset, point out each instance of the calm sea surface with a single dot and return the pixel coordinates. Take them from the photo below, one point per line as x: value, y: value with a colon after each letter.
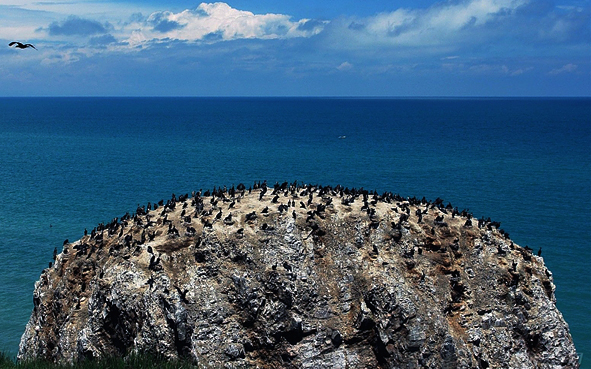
x: 70, y: 163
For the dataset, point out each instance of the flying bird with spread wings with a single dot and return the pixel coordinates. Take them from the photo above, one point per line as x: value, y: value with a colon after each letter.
x: 20, y: 45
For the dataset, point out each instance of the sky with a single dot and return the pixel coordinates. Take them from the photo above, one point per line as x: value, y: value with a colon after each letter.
x: 404, y: 48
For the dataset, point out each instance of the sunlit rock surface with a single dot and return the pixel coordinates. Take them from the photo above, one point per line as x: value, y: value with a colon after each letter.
x: 304, y: 277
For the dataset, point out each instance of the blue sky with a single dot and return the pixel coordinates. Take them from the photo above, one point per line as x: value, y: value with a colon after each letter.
x: 303, y: 48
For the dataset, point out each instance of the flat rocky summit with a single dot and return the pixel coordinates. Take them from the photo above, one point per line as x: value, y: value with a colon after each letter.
x: 300, y: 276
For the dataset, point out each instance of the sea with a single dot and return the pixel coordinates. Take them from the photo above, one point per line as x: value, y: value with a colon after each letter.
x: 69, y: 163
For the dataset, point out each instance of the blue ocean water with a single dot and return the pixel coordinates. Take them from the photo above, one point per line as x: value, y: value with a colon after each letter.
x: 70, y: 163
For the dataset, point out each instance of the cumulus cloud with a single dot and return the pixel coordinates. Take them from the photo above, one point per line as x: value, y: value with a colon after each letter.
x: 161, y: 22
x: 211, y: 22
x: 310, y: 25
x: 77, y: 26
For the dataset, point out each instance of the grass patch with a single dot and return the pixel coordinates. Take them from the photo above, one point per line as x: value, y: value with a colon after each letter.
x: 133, y: 361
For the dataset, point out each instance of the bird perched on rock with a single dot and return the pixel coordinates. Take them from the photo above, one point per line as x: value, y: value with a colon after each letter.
x: 20, y: 45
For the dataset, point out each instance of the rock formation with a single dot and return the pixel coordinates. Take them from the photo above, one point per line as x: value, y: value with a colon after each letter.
x: 300, y: 276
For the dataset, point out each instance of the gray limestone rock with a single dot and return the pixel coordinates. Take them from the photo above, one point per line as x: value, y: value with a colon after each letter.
x: 353, y: 279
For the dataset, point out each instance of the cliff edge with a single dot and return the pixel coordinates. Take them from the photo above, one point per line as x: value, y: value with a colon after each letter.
x: 300, y: 276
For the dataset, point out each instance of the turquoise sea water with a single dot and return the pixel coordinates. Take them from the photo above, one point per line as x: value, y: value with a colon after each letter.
x: 70, y: 163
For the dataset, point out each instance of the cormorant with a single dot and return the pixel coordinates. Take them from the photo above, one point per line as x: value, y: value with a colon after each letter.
x: 150, y: 282
x: 183, y: 295
x: 20, y: 45
x: 228, y: 220
x: 154, y: 263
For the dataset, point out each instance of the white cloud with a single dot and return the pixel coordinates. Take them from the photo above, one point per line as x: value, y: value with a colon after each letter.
x: 345, y: 66
x: 489, y: 69
x: 480, y: 67
x: 211, y: 22
x: 475, y: 12
x: 18, y: 33
x: 99, y: 10
x: 440, y: 24
x: 61, y: 58
x: 451, y: 34
x: 63, y: 26
x: 568, y: 68
x: 520, y: 71
x: 17, y: 23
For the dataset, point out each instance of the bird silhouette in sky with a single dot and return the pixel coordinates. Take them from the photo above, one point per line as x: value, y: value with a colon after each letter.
x: 20, y: 45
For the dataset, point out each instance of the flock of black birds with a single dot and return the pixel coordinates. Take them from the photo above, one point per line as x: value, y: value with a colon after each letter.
x: 313, y: 198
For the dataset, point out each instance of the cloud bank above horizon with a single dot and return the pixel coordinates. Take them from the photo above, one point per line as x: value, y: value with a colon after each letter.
x: 458, y: 40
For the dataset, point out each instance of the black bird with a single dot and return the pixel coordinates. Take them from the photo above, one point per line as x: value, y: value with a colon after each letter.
x: 228, y: 220
x: 154, y: 263
x: 20, y: 45
x: 183, y: 295
x: 150, y: 282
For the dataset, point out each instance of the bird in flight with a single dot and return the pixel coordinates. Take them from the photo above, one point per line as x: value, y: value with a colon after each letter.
x: 21, y: 45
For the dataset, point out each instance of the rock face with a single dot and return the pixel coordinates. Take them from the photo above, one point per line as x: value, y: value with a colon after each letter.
x: 302, y: 277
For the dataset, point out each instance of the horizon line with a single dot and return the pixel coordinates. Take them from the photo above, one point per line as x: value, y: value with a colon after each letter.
x: 376, y: 97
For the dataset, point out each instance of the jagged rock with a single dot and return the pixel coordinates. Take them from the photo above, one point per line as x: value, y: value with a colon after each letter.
x: 349, y: 279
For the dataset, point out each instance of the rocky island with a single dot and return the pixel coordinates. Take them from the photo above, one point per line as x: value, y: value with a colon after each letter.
x: 300, y: 276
